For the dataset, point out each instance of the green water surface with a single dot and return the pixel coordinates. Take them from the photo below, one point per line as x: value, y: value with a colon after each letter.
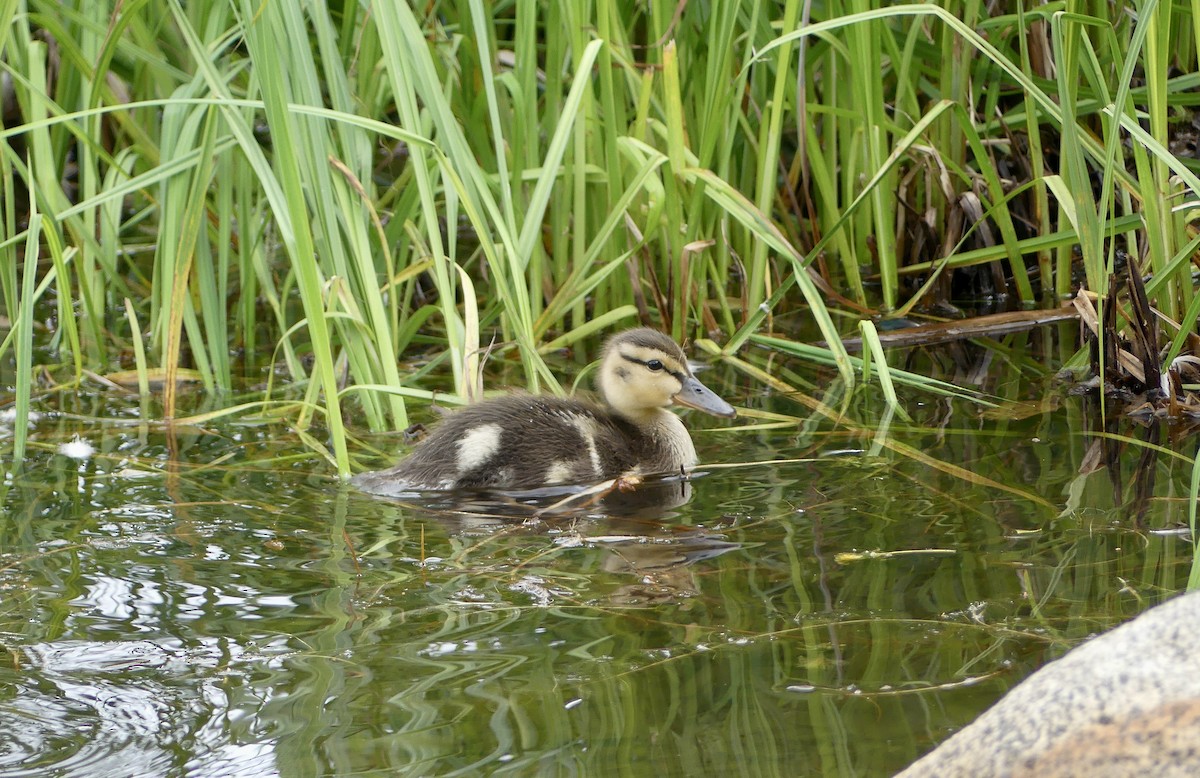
x: 212, y: 602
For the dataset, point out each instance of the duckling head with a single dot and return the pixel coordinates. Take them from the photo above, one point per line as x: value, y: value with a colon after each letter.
x: 644, y: 371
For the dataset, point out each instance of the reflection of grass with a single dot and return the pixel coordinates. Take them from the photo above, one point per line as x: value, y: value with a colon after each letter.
x: 358, y: 634
x: 748, y: 667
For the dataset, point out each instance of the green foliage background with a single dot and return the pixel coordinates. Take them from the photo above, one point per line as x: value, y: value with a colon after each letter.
x: 206, y: 187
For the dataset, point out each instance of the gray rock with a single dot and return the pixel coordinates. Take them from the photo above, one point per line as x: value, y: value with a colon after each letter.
x: 1126, y: 703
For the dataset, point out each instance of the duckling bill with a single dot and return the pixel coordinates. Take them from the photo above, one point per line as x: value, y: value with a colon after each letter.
x: 530, y: 441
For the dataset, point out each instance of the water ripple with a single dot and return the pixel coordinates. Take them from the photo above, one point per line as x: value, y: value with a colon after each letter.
x: 143, y: 707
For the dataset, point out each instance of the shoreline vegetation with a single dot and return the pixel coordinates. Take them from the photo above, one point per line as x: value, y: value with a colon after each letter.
x: 274, y: 200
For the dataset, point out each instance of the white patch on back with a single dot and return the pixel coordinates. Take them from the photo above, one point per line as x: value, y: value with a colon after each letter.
x: 587, y: 430
x: 478, y: 446
x: 558, y: 473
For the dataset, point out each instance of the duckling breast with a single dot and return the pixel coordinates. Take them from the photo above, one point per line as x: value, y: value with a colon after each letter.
x: 671, y: 449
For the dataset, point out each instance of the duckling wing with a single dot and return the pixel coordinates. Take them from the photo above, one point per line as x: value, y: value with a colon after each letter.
x: 516, y: 442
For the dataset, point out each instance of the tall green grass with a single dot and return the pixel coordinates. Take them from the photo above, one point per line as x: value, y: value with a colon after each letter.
x: 326, y: 192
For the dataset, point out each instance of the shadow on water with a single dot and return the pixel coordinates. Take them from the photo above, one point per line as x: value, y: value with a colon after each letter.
x: 214, y: 604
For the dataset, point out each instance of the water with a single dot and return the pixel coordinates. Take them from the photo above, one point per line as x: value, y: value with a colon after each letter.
x: 214, y: 603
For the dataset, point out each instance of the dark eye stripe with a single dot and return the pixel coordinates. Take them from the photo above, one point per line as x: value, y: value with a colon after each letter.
x: 646, y: 364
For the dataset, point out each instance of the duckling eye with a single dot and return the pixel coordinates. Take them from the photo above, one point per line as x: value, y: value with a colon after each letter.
x: 654, y: 365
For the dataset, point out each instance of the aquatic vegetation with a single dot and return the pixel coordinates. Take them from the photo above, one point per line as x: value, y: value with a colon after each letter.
x: 443, y: 184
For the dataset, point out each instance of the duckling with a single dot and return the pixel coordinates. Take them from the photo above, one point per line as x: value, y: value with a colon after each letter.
x: 529, y: 441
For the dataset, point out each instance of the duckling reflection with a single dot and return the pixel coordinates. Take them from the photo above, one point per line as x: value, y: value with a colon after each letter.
x: 652, y: 499
x: 635, y: 529
x: 664, y: 565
